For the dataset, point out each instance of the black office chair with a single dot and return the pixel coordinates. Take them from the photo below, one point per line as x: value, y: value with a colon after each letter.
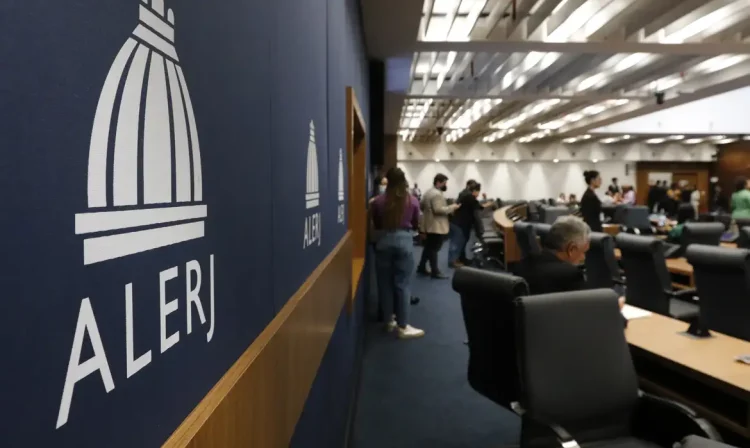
x: 578, y: 383
x: 635, y: 219
x: 602, y: 270
x: 533, y: 211
x: 549, y: 215
x: 742, y: 222
x: 649, y: 285
x: 542, y: 230
x: 722, y: 276
x: 743, y: 239
x: 526, y: 238
x: 487, y: 304
x: 702, y: 442
x: 708, y: 233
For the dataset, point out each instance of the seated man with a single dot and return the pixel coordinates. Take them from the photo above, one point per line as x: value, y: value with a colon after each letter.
x: 556, y: 268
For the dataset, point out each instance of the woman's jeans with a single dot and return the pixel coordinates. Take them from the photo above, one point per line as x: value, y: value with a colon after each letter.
x: 394, y: 261
x: 457, y: 247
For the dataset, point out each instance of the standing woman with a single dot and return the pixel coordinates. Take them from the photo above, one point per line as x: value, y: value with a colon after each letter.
x: 591, y: 206
x: 741, y: 199
x: 395, y: 214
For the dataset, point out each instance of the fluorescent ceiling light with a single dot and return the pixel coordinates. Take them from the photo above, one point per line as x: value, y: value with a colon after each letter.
x: 718, y: 137
x: 676, y: 137
x: 609, y: 140
x: 437, y: 160
x: 655, y: 141
x: 570, y: 140
x: 693, y: 141
x: 517, y: 160
x: 594, y: 160
x: 626, y: 137
x: 476, y: 160
x: 555, y: 160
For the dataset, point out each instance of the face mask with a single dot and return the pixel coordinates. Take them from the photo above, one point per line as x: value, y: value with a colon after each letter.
x: 381, y: 189
x: 444, y: 188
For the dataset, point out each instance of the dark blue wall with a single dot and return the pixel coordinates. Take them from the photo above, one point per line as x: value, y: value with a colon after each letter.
x: 258, y: 73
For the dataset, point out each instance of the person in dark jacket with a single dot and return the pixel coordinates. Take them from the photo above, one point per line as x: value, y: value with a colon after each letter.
x: 591, y: 205
x: 556, y: 268
x: 465, y: 219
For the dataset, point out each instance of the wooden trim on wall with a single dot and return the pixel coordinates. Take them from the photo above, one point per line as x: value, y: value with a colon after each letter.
x: 356, y: 149
x: 260, y: 398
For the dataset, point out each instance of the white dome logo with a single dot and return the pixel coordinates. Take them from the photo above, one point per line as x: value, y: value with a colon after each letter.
x: 152, y: 195
x: 312, y: 196
x: 341, y: 175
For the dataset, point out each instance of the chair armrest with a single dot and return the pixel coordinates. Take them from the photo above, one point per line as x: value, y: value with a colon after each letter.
x: 664, y: 422
x: 701, y: 442
x: 619, y: 280
x: 684, y: 294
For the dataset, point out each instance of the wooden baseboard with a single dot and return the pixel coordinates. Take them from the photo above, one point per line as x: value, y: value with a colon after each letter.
x: 260, y: 398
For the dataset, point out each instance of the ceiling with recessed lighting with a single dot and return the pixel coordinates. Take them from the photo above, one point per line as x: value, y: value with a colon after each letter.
x: 534, y: 70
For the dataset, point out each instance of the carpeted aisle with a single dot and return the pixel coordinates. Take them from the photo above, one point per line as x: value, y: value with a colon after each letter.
x: 415, y: 394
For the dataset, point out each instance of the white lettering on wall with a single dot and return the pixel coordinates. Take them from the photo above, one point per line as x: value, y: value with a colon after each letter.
x: 340, y: 217
x: 133, y: 365
x: 86, y: 324
x: 77, y: 370
x: 166, y: 309
x: 313, y: 230
x: 192, y: 294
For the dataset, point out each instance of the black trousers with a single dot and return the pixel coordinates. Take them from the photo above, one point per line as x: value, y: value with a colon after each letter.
x: 432, y: 244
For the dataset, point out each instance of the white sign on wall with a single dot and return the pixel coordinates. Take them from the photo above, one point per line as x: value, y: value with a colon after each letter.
x: 312, y: 194
x: 139, y: 208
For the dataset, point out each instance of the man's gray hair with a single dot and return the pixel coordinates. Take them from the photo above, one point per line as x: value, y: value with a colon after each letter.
x: 566, y: 230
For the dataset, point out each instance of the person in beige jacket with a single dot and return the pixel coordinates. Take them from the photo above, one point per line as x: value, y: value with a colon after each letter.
x: 435, y: 225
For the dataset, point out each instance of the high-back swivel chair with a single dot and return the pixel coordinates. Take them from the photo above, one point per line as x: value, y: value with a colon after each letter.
x: 487, y: 302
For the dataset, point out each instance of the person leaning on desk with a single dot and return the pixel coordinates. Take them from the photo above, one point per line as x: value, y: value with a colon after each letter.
x: 556, y: 268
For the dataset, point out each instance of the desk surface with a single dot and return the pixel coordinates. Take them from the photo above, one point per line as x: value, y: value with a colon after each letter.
x: 712, y: 357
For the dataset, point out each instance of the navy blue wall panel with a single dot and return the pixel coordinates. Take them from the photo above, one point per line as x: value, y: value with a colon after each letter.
x: 323, y: 422
x: 257, y: 73
x: 300, y: 166
x: 56, y: 57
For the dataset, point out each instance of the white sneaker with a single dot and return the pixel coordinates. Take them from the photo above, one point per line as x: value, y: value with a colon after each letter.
x: 410, y: 332
x: 390, y: 326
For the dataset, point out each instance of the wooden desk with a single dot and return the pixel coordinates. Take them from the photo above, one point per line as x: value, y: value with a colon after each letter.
x: 504, y: 226
x: 680, y: 266
x: 701, y: 373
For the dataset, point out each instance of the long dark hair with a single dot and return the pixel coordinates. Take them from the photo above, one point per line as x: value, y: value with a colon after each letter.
x: 396, y: 197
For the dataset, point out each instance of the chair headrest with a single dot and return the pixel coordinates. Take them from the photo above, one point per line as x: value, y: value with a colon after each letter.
x: 599, y: 238
x: 469, y: 280
x: 522, y: 226
x: 638, y: 243
x: 578, y: 335
x: 717, y: 257
x: 704, y: 227
x: 542, y: 228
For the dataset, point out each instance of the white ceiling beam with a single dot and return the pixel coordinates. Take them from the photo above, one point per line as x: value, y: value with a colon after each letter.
x: 702, y: 11
x: 540, y: 15
x: 522, y: 16
x: 534, y: 96
x: 677, y: 12
x: 583, y: 65
x: 664, y: 66
x: 611, y: 48
x: 636, y: 109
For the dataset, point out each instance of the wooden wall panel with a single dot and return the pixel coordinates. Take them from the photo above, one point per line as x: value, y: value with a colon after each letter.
x: 733, y: 162
x: 260, y: 398
x: 701, y: 171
